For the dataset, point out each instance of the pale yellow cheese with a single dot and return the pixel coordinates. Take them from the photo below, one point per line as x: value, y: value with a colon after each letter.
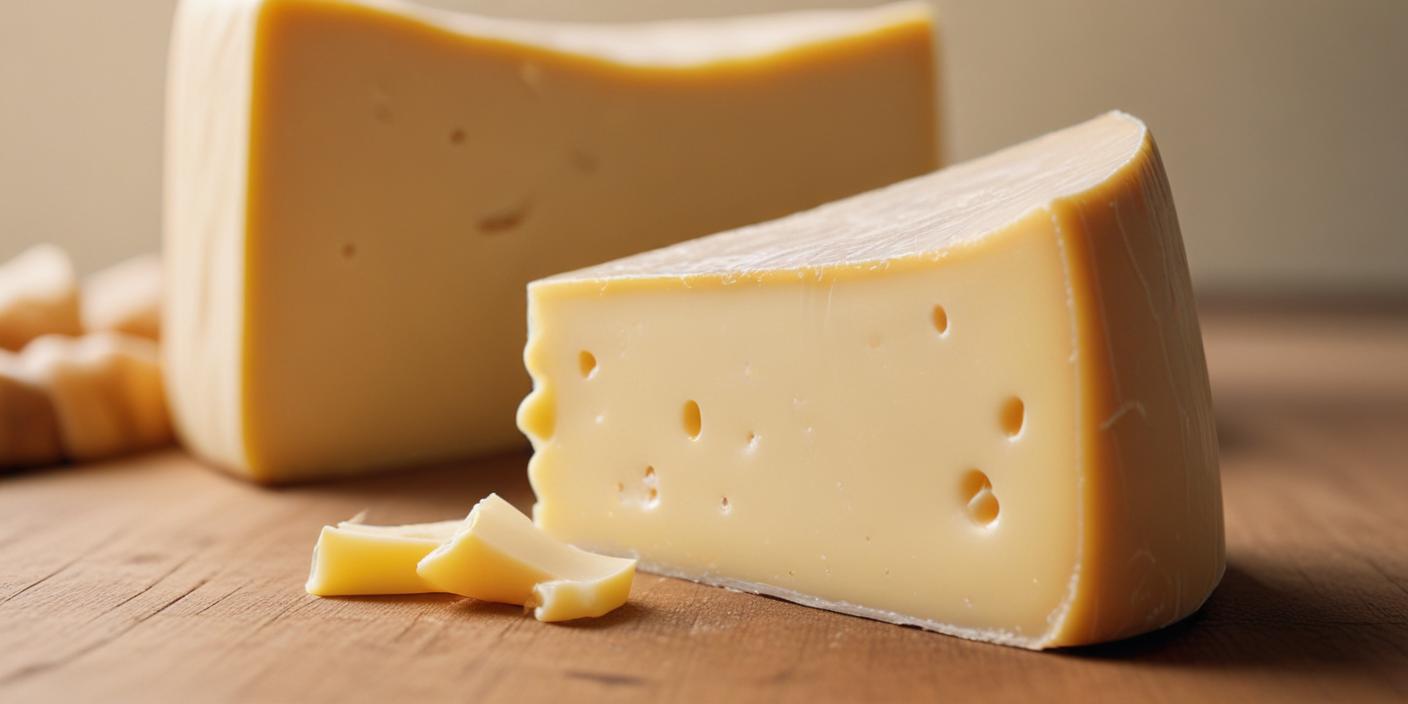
x: 38, y: 296
x: 125, y: 297
x: 974, y: 402
x: 105, y: 390
x: 499, y: 555
x: 495, y: 554
x: 358, y: 191
x: 352, y: 558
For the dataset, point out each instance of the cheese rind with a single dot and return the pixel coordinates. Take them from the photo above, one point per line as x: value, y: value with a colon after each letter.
x: 353, y: 559
x: 499, y: 555
x: 974, y: 402
x: 38, y: 296
x: 358, y: 191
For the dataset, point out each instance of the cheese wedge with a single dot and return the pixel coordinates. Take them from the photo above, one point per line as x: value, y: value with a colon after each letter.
x: 125, y: 298
x: 358, y: 191
x: 353, y: 559
x: 499, y: 555
x: 38, y: 296
x: 974, y: 402
x: 106, y: 392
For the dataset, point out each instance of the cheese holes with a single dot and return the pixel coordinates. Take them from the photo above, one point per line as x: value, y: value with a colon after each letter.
x: 457, y: 136
x: 979, y: 501
x: 693, y: 420
x: 940, y: 320
x: 652, y: 488
x: 752, y: 442
x: 1012, y: 416
x: 724, y: 508
x: 505, y: 219
x: 586, y: 364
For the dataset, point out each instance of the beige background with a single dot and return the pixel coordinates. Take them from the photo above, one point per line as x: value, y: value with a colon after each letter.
x: 1284, y: 123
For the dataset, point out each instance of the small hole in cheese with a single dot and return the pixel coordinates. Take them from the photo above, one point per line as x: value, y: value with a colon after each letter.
x: 586, y: 363
x: 457, y: 136
x: 1013, y: 416
x: 724, y: 507
x: 652, y: 488
x: 977, y: 497
x: 693, y: 420
x: 983, y: 508
x: 505, y: 219
x: 940, y: 320
x: 974, y: 481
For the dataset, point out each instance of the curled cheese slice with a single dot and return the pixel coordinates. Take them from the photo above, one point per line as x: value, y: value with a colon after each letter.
x: 352, y: 558
x: 499, y: 555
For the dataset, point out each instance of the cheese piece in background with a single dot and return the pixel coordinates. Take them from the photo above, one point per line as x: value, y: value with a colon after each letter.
x: 29, y: 429
x: 357, y: 193
x: 38, y: 296
x: 974, y: 402
x: 352, y: 558
x: 106, y: 391
x: 499, y: 555
x: 125, y: 298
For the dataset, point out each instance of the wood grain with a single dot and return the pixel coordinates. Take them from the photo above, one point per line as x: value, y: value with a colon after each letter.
x: 155, y: 579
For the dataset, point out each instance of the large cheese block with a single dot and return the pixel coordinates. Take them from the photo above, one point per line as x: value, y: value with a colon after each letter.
x: 357, y: 193
x: 974, y: 402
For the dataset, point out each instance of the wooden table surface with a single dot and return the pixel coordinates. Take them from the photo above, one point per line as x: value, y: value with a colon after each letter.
x: 155, y: 579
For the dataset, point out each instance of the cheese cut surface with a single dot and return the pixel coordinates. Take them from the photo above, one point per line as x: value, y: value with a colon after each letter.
x: 352, y: 558
x: 357, y: 193
x: 975, y: 402
x: 499, y: 555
